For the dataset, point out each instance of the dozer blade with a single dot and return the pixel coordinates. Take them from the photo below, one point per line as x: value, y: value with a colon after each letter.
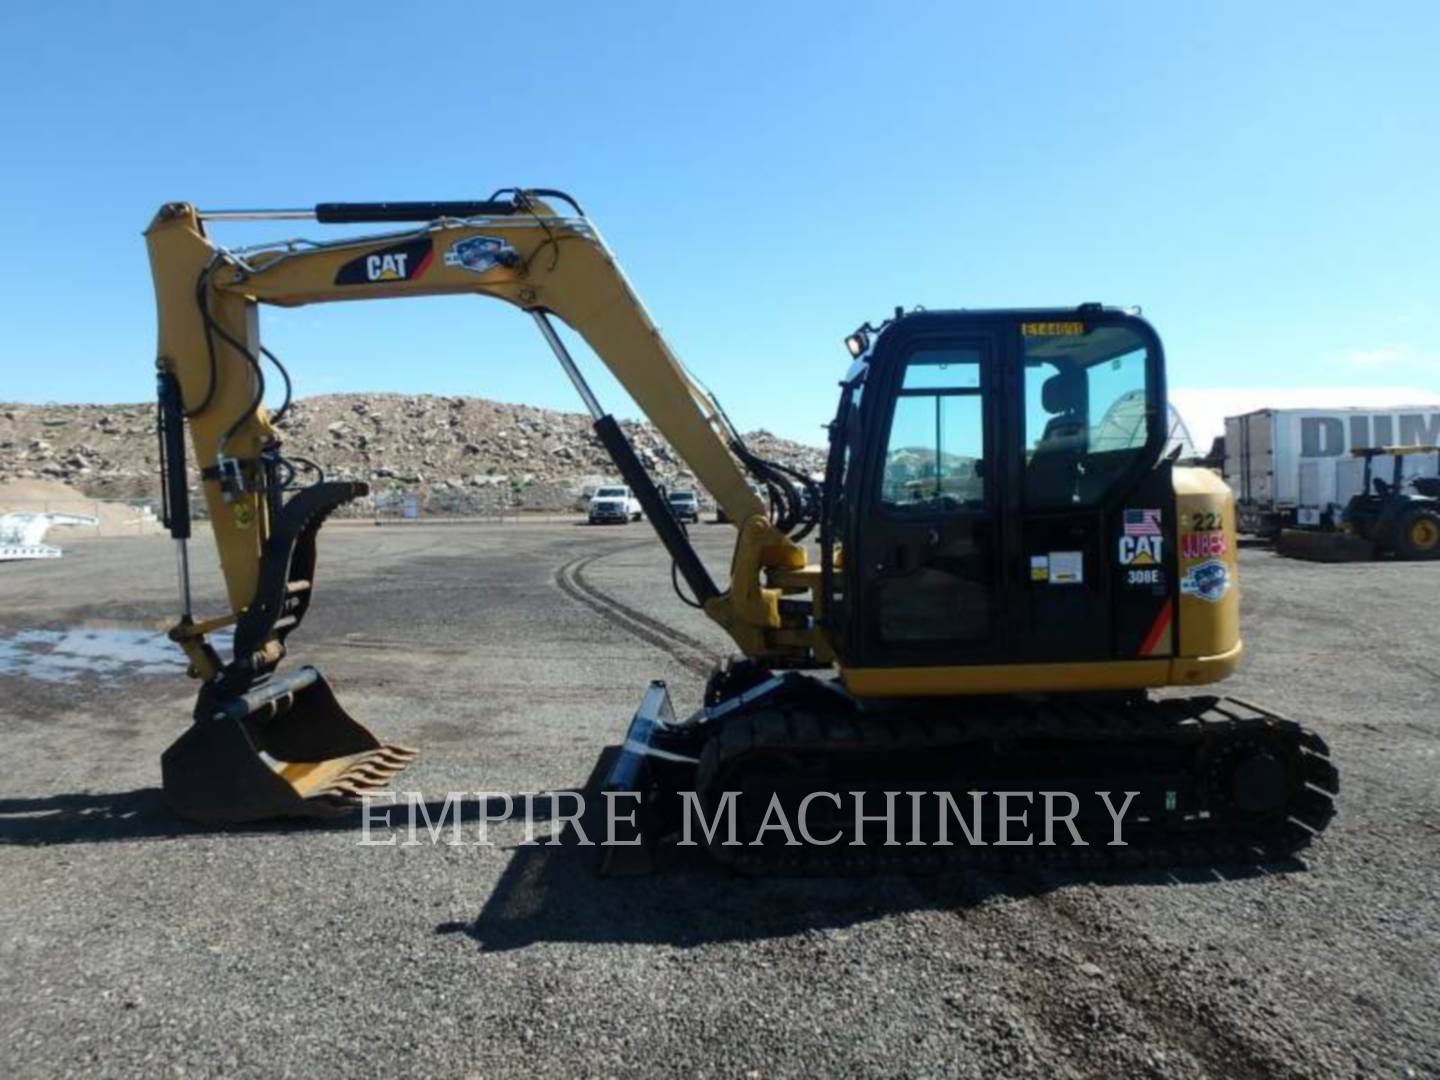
x: 657, y: 760
x: 284, y: 748
x: 1323, y: 545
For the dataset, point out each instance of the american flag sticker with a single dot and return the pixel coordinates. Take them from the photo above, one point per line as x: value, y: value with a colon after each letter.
x: 1142, y: 523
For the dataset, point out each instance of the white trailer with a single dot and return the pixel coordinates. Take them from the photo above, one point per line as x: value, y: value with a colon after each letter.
x: 1293, y: 467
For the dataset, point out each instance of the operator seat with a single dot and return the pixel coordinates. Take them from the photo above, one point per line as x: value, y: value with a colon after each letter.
x: 1054, y: 469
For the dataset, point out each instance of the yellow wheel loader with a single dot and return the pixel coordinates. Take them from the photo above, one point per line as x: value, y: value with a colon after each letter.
x: 1004, y: 564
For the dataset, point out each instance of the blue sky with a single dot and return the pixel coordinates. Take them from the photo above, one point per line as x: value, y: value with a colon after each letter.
x: 1259, y: 178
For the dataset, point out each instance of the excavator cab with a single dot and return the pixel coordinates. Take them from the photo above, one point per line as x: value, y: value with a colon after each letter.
x: 1000, y: 493
x: 1010, y: 559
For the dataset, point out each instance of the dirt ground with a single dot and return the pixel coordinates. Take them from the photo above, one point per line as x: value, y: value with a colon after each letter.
x: 133, y: 943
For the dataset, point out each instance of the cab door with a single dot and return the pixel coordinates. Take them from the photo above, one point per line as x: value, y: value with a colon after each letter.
x: 1091, y: 567
x: 927, y: 531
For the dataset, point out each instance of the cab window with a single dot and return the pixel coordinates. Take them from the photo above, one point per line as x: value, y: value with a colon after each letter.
x: 1089, y: 410
x: 935, y: 448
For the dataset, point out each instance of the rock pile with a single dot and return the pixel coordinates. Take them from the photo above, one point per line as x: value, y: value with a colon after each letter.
x: 457, y: 454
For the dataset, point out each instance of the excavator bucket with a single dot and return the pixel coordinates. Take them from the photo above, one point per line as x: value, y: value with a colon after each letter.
x: 283, y: 749
x: 269, y: 744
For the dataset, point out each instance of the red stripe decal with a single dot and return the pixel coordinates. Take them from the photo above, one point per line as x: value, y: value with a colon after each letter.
x: 1162, y: 624
x: 424, y: 265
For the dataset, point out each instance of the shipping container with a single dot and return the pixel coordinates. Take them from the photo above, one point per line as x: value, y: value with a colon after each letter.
x: 1294, y: 467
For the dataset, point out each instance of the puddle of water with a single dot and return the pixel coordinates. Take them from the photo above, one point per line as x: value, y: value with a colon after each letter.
x: 107, y: 652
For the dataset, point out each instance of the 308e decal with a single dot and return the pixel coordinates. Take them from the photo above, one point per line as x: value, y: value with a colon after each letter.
x: 1141, y: 550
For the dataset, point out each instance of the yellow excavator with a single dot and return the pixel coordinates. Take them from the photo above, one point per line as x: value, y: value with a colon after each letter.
x: 1006, y: 560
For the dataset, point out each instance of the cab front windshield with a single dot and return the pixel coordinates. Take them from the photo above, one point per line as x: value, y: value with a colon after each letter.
x: 1090, y: 407
x: 611, y: 493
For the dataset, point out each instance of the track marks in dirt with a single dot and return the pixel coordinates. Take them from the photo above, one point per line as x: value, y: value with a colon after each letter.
x: 692, y: 654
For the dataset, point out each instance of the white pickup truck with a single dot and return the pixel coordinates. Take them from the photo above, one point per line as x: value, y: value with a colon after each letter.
x: 615, y: 503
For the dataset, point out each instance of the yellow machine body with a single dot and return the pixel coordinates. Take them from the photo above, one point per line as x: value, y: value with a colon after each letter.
x: 546, y: 263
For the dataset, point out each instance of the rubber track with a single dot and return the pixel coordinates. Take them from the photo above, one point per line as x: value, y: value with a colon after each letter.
x: 1216, y: 721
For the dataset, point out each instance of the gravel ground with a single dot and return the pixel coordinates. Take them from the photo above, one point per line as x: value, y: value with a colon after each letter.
x: 135, y: 944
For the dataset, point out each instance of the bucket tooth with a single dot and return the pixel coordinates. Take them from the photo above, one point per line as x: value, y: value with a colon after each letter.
x: 1322, y: 774
x: 366, y: 774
